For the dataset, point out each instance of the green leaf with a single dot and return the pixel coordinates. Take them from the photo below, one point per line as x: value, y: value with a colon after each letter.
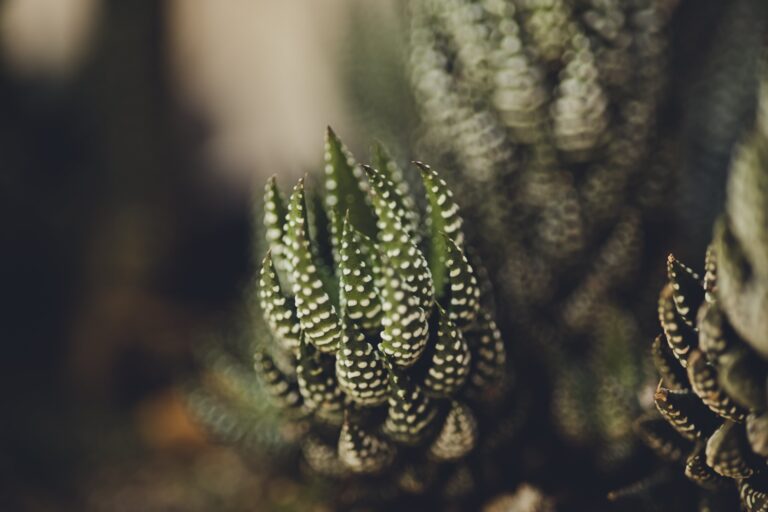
x: 442, y: 217
x: 275, y: 214
x: 362, y: 451
x: 489, y: 356
x: 458, y: 435
x: 395, y: 243
x: 411, y: 413
x: 317, y: 384
x: 386, y: 165
x: 345, y: 190
x: 451, y: 359
x: 317, y: 314
x: 278, y: 310
x: 283, y: 391
x: 360, y: 301
x: 463, y: 291
x: 360, y: 369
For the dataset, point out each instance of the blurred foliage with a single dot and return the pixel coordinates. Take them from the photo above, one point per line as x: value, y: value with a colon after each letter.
x: 712, y: 419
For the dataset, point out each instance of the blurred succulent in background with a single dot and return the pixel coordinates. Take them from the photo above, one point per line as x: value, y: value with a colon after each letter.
x: 546, y: 113
x: 712, y: 415
x: 380, y: 350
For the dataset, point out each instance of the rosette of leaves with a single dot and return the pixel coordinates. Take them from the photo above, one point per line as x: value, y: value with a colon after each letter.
x: 712, y: 357
x: 380, y: 340
x: 545, y: 112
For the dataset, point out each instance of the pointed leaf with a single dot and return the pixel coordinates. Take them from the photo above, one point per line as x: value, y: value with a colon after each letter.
x: 728, y: 452
x: 360, y: 301
x: 386, y: 165
x: 345, y: 190
x: 687, y: 290
x: 395, y: 243
x: 364, y: 452
x: 411, y: 413
x: 697, y: 471
x: 323, y: 457
x: 275, y: 215
x: 663, y: 439
x: 458, y: 435
x: 704, y: 382
x: 463, y: 291
x: 443, y: 217
x: 316, y: 312
x: 489, y: 356
x: 667, y: 365
x: 451, y: 359
x: 317, y: 384
x: 360, y: 370
x: 754, y: 493
x: 680, y: 336
x: 283, y: 391
x: 278, y: 310
x: 405, y: 328
x: 686, y: 413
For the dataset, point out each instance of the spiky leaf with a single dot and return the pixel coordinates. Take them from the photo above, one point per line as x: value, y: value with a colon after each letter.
x: 458, y: 435
x: 360, y: 301
x: 443, y: 217
x: 667, y: 365
x: 386, y: 165
x: 697, y: 470
x: 345, y: 190
x: 685, y: 412
x: 362, y: 451
x: 360, y: 369
x: 728, y: 451
x: 489, y: 356
x: 451, y: 359
x: 275, y: 214
x: 399, y: 248
x: 463, y: 291
x: 317, y: 314
x: 703, y: 378
x: 659, y: 435
x: 687, y: 290
x: 278, y: 310
x: 284, y: 391
x: 317, y: 383
x: 411, y: 413
x: 680, y: 336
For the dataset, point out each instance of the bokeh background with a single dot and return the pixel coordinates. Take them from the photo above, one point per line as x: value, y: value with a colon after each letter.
x: 132, y: 135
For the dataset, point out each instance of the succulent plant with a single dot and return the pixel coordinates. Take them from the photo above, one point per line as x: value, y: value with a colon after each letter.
x: 712, y: 358
x: 544, y: 112
x: 379, y: 339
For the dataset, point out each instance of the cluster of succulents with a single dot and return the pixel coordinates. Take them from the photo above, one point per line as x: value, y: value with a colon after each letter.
x: 713, y: 356
x: 546, y: 113
x: 380, y: 342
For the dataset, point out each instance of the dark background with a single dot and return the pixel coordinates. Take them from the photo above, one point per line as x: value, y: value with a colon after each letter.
x: 121, y: 251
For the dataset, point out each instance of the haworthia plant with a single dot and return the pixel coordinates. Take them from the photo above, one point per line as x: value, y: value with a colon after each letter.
x: 386, y: 350
x: 712, y: 362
